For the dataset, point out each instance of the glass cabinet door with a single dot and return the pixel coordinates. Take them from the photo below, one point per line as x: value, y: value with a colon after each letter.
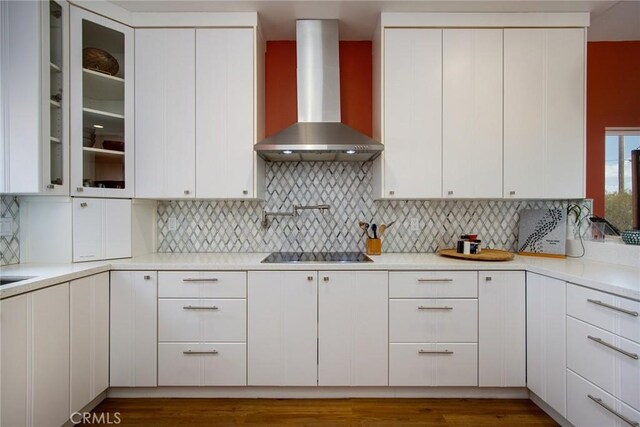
x: 102, y: 106
x: 55, y: 132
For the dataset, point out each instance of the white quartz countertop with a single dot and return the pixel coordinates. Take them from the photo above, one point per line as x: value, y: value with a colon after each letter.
x: 617, y: 279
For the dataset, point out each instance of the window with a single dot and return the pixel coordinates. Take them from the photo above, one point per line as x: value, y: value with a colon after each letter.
x: 617, y: 184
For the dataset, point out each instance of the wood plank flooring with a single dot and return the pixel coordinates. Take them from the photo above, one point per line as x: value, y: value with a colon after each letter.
x: 325, y: 412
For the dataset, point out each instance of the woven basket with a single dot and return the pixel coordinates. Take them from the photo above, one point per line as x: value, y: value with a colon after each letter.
x: 98, y: 60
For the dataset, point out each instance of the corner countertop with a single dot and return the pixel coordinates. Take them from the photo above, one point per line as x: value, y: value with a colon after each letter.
x: 616, y: 279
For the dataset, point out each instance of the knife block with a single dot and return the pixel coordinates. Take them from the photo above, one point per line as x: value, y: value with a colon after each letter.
x: 374, y: 246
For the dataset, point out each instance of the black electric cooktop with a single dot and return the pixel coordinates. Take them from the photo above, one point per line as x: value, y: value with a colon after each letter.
x: 292, y: 257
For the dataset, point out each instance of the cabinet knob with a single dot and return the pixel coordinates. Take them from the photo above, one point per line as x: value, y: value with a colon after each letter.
x: 147, y: 277
x: 512, y: 193
x: 325, y: 278
x: 79, y: 189
x: 310, y: 278
x: 245, y: 192
x: 450, y: 193
x: 488, y: 278
x: 83, y: 205
x: 50, y: 187
x: 187, y: 192
x: 391, y: 193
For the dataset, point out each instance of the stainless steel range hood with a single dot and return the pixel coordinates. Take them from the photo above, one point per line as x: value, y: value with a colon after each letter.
x: 318, y: 135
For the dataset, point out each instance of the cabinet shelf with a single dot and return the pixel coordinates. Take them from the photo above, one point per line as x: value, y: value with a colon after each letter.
x: 55, y: 104
x: 110, y: 122
x: 54, y: 139
x: 102, y: 86
x: 103, y: 152
x: 55, y: 68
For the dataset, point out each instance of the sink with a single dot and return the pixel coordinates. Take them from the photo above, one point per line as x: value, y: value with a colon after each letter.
x: 7, y: 280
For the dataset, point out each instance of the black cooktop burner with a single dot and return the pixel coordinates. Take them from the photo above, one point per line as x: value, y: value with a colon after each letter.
x: 290, y: 257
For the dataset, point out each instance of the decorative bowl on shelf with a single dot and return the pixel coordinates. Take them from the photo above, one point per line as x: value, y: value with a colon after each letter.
x: 631, y: 237
x: 99, y: 60
x: 113, y: 145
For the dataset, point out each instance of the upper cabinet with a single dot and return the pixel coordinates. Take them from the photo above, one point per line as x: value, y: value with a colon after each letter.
x: 472, y: 113
x: 413, y: 113
x: 102, y: 131
x: 480, y: 108
x: 544, y: 119
x: 34, y: 106
x: 199, y: 107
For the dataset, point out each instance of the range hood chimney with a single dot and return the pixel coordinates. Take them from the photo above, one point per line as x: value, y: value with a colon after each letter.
x: 318, y: 135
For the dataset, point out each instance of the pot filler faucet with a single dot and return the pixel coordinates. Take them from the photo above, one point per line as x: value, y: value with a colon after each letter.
x: 294, y: 213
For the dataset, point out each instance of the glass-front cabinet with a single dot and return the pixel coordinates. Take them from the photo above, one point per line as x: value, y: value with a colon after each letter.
x: 34, y: 106
x: 102, y: 130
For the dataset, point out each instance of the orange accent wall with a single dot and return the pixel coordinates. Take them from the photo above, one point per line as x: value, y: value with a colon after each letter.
x: 355, y: 85
x: 613, y: 100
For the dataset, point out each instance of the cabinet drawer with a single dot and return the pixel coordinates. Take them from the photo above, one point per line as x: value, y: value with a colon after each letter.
x: 614, y: 314
x: 433, y: 320
x: 585, y: 405
x: 433, y: 284
x: 202, y: 284
x: 433, y: 364
x: 202, y: 320
x: 211, y: 364
x: 615, y: 372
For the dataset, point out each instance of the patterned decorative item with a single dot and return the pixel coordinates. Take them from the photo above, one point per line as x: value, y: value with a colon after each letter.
x: 10, y: 246
x: 99, y: 60
x: 631, y: 237
x: 234, y: 226
x: 543, y: 232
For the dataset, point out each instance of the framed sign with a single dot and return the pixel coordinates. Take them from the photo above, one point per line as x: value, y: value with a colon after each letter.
x: 543, y: 232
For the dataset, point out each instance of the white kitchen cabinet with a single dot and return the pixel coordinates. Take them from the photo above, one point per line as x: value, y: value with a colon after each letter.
x: 501, y: 329
x: 471, y: 113
x: 224, y: 105
x: 546, y: 340
x: 133, y: 323
x: 412, y: 158
x: 34, y: 110
x: 89, y: 334
x: 353, y: 328
x: 35, y: 358
x: 101, y: 229
x: 165, y: 91
x: 544, y: 113
x: 102, y: 109
x: 282, y: 328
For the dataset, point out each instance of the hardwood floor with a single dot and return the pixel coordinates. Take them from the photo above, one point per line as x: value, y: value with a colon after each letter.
x: 325, y: 412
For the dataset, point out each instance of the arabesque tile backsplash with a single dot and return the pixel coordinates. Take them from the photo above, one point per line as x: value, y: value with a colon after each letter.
x: 10, y: 245
x: 235, y: 226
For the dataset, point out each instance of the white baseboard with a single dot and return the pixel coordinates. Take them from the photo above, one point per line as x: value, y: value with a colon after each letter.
x: 319, y: 392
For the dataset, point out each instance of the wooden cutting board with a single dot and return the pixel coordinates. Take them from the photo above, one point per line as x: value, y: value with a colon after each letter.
x: 485, y: 255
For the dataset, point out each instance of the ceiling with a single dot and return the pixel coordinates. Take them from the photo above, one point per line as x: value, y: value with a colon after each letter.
x: 357, y: 17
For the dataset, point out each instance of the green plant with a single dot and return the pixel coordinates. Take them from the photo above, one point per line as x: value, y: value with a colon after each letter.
x: 618, y: 209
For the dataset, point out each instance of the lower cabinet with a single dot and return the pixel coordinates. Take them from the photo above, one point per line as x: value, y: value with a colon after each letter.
x: 434, y: 341
x: 282, y: 317
x: 34, y: 356
x: 133, y: 323
x: 202, y: 329
x: 309, y: 328
x: 546, y: 340
x: 501, y: 329
x: 89, y: 334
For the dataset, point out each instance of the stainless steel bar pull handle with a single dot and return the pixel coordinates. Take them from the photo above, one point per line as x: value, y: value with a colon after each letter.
x: 200, y: 352
x: 434, y: 280
x: 613, y: 411
x: 210, y: 279
x: 613, y: 347
x: 191, y: 307
x: 435, y: 352
x: 423, y: 307
x: 613, y: 307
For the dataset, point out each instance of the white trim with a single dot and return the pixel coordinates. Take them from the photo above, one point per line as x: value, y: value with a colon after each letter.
x: 194, y: 19
x: 622, y: 131
x: 320, y: 392
x: 482, y: 20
